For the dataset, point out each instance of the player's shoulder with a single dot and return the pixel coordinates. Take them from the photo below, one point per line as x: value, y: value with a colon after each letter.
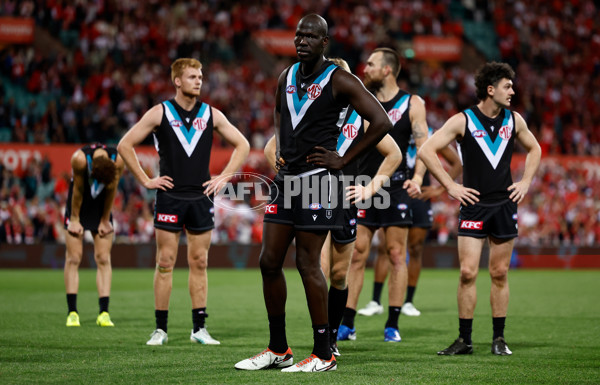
x: 78, y: 160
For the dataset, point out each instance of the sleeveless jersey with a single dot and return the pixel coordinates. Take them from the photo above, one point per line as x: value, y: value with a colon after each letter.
x: 94, y: 193
x: 411, y: 159
x: 397, y: 109
x: 352, y: 130
x: 183, y: 141
x: 308, y: 117
x: 486, y: 151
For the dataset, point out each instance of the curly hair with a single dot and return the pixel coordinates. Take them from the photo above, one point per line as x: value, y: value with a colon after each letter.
x: 489, y: 75
x: 104, y: 170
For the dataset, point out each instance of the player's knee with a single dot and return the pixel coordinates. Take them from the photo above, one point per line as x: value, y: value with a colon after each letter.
x: 102, y: 259
x: 415, y: 251
x: 164, y: 268
x: 467, y: 275
x: 198, y: 261
x: 499, y: 274
x: 268, y: 266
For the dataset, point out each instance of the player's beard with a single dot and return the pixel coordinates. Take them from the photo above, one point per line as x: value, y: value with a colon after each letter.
x: 373, y: 85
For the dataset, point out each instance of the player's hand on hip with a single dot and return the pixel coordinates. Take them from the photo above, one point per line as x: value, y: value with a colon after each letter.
x: 466, y: 195
x: 358, y: 193
x: 105, y: 228
x: 163, y: 182
x: 412, y: 188
x: 428, y: 192
x: 215, y: 184
x: 279, y: 163
x: 325, y: 158
x: 75, y: 228
x: 518, y: 191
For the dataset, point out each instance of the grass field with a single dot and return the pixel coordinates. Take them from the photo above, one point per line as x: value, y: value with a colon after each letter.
x: 553, y: 329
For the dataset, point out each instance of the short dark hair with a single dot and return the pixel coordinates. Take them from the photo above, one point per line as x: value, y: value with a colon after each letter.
x: 489, y: 75
x: 391, y: 58
x: 104, y: 170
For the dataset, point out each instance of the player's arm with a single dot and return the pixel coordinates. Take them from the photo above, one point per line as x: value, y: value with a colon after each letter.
x: 241, y: 149
x: 428, y: 153
x: 532, y: 161
x: 134, y: 137
x: 349, y: 89
x: 392, y: 157
x: 454, y: 169
x: 418, y: 124
x: 105, y: 227
x: 79, y: 166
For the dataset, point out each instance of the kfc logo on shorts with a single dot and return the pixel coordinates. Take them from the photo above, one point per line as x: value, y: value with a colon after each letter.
x: 166, y: 218
x: 314, y: 91
x: 350, y: 131
x: 199, y: 124
x: 471, y: 225
x: 505, y: 132
x: 479, y: 134
x: 271, y: 209
x: 395, y: 115
x: 315, y: 206
x: 176, y: 123
x: 290, y: 89
x: 361, y: 213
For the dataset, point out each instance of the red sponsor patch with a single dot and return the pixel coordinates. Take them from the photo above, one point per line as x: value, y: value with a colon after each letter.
x: 199, y: 124
x: 314, y: 91
x: 395, y: 115
x: 271, y: 209
x: 505, y: 132
x: 361, y: 213
x: 167, y: 218
x: 471, y: 225
x: 350, y: 131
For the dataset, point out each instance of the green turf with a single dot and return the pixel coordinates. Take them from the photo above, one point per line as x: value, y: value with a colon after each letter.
x: 553, y: 329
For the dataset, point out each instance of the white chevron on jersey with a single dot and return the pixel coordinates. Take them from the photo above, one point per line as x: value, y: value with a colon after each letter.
x: 188, y: 139
x: 348, y: 133
x: 296, y: 106
x: 493, y: 151
x: 396, y: 112
x: 95, y: 187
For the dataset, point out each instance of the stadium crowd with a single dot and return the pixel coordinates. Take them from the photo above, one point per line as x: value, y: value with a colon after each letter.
x: 107, y: 65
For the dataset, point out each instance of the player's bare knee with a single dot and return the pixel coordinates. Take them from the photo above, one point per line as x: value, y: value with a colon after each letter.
x: 467, y: 275
x: 164, y: 268
x: 73, y: 259
x: 102, y: 259
x: 199, y: 262
x: 499, y: 275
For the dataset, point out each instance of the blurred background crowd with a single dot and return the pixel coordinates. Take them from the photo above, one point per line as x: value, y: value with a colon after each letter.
x: 98, y: 65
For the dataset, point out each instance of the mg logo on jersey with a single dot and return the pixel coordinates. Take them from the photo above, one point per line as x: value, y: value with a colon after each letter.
x: 479, y: 134
x: 314, y: 91
x: 290, y: 89
x: 271, y: 209
x: 395, y: 115
x: 199, y: 124
x: 350, y: 131
x: 505, y: 132
x: 361, y: 213
x: 167, y: 218
x: 471, y: 225
x: 176, y: 123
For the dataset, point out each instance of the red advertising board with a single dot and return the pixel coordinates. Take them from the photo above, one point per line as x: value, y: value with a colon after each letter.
x: 276, y: 41
x: 437, y: 48
x: 16, y: 30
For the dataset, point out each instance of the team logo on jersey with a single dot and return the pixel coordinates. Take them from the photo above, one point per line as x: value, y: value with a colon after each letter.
x: 395, y: 115
x: 166, y: 218
x: 350, y: 131
x: 471, y: 225
x: 361, y: 213
x: 271, y: 209
x: 479, y: 133
x: 212, y: 210
x: 314, y: 91
x: 290, y: 89
x: 402, y: 206
x: 515, y: 217
x: 505, y: 132
x: 352, y: 222
x: 176, y: 123
x: 199, y: 124
x: 328, y: 214
x: 315, y: 206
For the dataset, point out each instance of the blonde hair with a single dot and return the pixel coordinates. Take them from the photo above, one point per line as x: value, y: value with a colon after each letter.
x: 338, y: 61
x: 180, y: 64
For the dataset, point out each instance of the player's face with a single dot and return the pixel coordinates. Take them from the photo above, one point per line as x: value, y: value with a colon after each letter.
x: 503, y: 93
x: 309, y: 43
x: 191, y: 81
x: 374, y: 71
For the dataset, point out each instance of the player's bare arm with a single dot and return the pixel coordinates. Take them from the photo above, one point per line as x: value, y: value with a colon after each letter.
x: 105, y: 227
x: 418, y: 124
x: 241, y: 148
x: 134, y: 137
x: 532, y: 161
x: 454, y: 170
x: 79, y: 167
x: 452, y: 129
x: 351, y: 90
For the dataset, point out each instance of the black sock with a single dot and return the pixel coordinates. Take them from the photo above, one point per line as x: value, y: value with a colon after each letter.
x: 321, y: 348
x: 348, y: 319
x: 498, y: 325
x: 393, y: 314
x: 410, y: 293
x: 103, y: 302
x: 465, y: 327
x: 377, y: 286
x: 278, y: 341
x: 161, y: 319
x: 72, y: 302
x: 337, y: 304
x: 198, y: 317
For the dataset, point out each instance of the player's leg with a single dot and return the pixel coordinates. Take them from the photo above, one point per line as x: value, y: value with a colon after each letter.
x: 469, y: 253
x: 102, y: 249
x: 416, y: 243
x: 326, y: 255
x: 197, y: 255
x: 74, y: 244
x: 338, y: 290
x: 500, y: 253
x: 396, y: 238
x: 356, y: 276
x: 381, y: 268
